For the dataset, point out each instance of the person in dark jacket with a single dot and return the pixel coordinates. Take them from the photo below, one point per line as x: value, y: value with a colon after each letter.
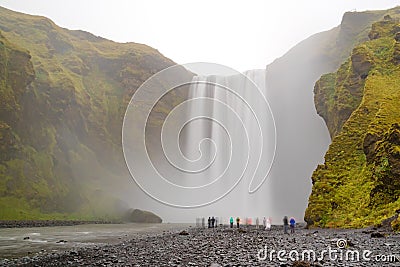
x: 238, y: 222
x: 212, y: 222
x: 209, y: 222
x: 285, y: 224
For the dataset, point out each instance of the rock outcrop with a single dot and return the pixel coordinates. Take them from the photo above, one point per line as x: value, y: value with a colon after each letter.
x: 141, y: 216
x: 359, y: 183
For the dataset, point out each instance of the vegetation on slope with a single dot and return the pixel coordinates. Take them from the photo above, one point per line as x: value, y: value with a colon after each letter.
x: 301, y: 133
x: 63, y: 95
x: 359, y: 183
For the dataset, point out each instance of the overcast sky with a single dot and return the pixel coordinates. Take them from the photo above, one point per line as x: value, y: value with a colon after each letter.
x: 240, y: 34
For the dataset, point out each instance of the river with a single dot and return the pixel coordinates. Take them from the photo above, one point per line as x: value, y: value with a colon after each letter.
x: 20, y: 242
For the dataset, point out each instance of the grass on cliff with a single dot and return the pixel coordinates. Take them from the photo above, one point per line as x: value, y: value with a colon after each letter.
x: 342, y: 187
x: 67, y: 132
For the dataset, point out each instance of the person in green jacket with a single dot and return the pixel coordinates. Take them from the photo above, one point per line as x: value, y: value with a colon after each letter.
x: 231, y: 221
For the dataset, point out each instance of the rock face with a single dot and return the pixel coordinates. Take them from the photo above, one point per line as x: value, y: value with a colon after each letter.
x: 141, y: 216
x: 396, y: 52
x: 62, y: 99
x: 359, y: 184
x: 302, y: 135
x: 16, y: 73
x: 337, y: 95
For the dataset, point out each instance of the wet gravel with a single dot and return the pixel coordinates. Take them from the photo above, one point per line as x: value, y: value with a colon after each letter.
x: 231, y: 247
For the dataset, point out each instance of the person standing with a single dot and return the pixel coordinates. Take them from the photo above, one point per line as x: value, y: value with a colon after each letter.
x: 209, y: 222
x: 216, y: 222
x: 257, y: 223
x: 292, y: 225
x: 231, y: 222
x: 269, y: 223
x: 285, y: 224
x: 264, y: 223
x: 212, y: 221
x: 238, y: 222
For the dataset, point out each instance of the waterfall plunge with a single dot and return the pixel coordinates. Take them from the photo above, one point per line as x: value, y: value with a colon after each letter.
x: 215, y: 147
x: 232, y: 136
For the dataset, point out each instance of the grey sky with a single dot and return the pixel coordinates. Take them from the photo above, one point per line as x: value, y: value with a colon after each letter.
x: 239, y: 34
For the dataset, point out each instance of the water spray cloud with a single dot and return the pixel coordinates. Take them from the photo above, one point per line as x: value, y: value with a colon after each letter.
x: 222, y: 131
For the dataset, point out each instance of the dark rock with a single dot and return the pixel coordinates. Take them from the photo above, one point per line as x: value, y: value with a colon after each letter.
x: 396, y: 53
x: 397, y: 37
x: 377, y: 235
x: 301, y: 264
x: 386, y: 224
x: 73, y: 252
x: 387, y: 17
x: 350, y: 243
x: 369, y: 145
x: 361, y: 61
x: 141, y: 216
x: 184, y: 233
x: 367, y: 231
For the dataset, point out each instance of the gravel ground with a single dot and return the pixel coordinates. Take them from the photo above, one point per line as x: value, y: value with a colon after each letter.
x: 232, y: 247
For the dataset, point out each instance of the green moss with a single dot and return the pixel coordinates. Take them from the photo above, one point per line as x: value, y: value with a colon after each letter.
x: 359, y: 184
x: 62, y: 98
x: 396, y: 225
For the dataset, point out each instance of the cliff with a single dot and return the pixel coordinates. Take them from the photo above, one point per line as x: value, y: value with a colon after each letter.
x: 359, y: 183
x: 302, y: 136
x: 63, y: 95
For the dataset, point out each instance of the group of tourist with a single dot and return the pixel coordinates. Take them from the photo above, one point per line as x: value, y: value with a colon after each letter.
x: 267, y: 223
x: 286, y: 223
x: 212, y: 222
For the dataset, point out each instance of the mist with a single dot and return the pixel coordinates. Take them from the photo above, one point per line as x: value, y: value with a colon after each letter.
x: 295, y: 140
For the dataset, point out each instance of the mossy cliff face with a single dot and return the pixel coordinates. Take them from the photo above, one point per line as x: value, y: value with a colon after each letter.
x: 338, y: 95
x: 62, y: 98
x: 359, y: 184
x: 16, y: 72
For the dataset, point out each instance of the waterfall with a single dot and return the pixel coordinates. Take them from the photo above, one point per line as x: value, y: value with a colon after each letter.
x: 224, y: 104
x: 210, y: 153
x: 204, y: 145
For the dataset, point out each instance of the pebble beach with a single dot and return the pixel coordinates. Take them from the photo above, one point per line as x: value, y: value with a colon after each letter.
x: 224, y: 246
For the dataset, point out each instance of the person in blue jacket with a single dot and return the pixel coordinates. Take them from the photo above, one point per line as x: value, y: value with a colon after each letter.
x: 292, y: 225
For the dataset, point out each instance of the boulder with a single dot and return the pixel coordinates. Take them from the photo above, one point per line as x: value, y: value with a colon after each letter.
x: 142, y: 216
x: 377, y: 235
x: 184, y: 233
